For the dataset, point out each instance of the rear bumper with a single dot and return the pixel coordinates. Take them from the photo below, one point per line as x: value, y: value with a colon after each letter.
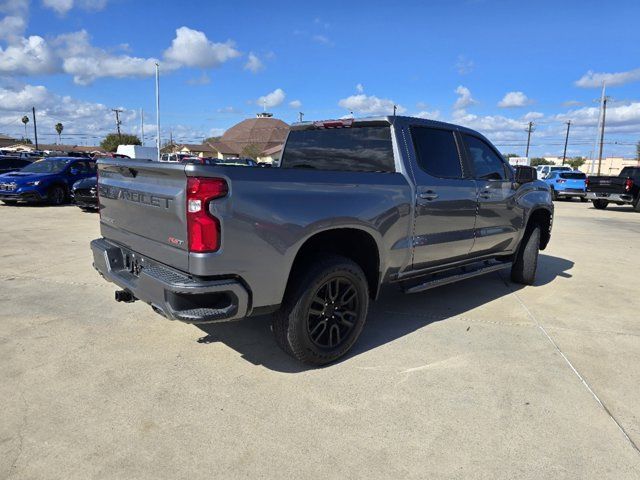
x: 571, y: 193
x: 170, y: 293
x: 610, y: 197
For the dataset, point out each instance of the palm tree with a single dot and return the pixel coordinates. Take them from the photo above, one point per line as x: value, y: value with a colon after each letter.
x: 25, y: 120
x: 59, y: 128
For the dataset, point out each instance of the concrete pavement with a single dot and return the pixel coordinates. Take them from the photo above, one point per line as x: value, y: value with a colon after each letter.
x: 474, y: 380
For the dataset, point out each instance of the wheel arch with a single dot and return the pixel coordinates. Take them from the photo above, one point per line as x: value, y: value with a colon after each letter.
x: 351, y: 242
x: 542, y: 217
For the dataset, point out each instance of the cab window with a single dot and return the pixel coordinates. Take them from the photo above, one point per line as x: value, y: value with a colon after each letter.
x: 487, y: 164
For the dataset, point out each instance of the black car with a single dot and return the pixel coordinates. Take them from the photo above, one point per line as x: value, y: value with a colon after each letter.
x: 85, y: 193
x: 11, y: 164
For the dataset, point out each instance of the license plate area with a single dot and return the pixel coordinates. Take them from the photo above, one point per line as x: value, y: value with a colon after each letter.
x: 132, y: 263
x: 603, y: 195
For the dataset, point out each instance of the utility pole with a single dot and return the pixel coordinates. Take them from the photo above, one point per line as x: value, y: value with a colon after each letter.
x: 604, y: 119
x: 566, y: 141
x: 35, y: 127
x: 395, y: 107
x: 529, y: 130
x: 300, y: 116
x: 142, y: 125
x: 158, y: 109
x: 118, y: 122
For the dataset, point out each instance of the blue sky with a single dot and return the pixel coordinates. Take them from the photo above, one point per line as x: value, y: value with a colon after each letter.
x: 491, y: 65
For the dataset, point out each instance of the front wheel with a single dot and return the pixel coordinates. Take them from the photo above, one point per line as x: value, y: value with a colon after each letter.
x: 600, y: 204
x: 323, y: 312
x: 526, y: 262
x: 56, y: 195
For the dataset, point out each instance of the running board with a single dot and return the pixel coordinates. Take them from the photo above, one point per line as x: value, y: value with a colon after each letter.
x: 437, y: 280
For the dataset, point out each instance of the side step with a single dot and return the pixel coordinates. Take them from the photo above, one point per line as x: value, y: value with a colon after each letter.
x: 445, y: 278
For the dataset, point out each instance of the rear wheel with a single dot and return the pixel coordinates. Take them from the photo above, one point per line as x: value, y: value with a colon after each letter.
x: 636, y: 203
x: 554, y: 194
x: 56, y: 195
x: 584, y: 199
x: 600, y: 204
x: 526, y: 262
x: 323, y: 312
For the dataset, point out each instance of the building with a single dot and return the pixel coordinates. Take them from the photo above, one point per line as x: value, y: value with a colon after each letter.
x: 271, y: 155
x: 259, y: 137
x: 609, y: 165
x: 6, y: 141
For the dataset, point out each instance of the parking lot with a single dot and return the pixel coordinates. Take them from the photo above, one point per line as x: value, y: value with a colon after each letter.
x: 471, y: 380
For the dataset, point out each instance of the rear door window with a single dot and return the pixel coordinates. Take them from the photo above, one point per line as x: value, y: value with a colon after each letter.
x: 437, y: 152
x: 487, y: 164
x: 361, y: 149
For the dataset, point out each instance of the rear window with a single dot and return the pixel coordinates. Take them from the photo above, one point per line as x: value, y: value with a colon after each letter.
x: 573, y: 176
x: 630, y: 172
x: 357, y: 149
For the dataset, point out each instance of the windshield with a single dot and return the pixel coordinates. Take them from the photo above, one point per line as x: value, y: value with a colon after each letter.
x: 50, y: 165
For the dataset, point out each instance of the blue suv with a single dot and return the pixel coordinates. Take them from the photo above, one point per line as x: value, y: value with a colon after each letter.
x: 47, y: 180
x: 567, y: 185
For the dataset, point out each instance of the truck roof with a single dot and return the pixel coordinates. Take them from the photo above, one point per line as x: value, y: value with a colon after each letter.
x: 389, y: 120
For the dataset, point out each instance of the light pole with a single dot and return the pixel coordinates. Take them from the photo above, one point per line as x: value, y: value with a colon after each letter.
x: 158, y: 109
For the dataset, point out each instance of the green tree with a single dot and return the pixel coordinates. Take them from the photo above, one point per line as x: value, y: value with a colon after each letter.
x: 111, y: 141
x: 26, y: 141
x: 540, y: 161
x: 575, y: 162
x: 251, y: 151
x: 59, y: 128
x: 212, y: 139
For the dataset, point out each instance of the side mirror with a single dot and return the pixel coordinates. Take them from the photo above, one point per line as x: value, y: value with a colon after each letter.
x: 525, y: 174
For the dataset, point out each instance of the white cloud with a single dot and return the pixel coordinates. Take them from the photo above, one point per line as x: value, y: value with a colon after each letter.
x: 272, y: 99
x: 572, y: 103
x: 533, y: 116
x: 14, y: 23
x: 463, y: 65
x: 192, y: 48
x: 87, y: 63
x: 514, y: 100
x: 322, y: 39
x: 431, y: 115
x: 618, y: 115
x: 295, y: 104
x: 254, y: 64
x: 203, y: 79
x: 28, y: 56
x: 63, y: 6
x: 464, y: 98
x: 370, y: 105
x: 360, y: 88
x: 593, y: 79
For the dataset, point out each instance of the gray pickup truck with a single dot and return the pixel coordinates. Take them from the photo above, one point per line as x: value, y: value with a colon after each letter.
x: 355, y: 205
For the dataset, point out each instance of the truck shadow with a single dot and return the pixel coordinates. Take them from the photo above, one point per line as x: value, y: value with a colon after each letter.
x: 393, y: 316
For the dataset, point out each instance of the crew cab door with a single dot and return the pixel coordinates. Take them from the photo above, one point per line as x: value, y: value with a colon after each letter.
x: 445, y: 199
x: 499, y: 217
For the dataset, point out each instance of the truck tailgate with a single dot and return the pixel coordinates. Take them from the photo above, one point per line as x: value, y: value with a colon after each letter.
x: 603, y: 184
x: 142, y: 206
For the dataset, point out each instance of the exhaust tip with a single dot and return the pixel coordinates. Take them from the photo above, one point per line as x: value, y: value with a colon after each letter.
x: 124, y: 296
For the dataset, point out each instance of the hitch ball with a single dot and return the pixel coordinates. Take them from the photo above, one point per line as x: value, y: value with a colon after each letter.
x: 125, y: 296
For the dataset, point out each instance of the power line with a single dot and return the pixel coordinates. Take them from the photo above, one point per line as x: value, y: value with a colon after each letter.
x: 529, y: 130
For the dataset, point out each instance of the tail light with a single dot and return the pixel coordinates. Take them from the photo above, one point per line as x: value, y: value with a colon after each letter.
x: 203, y: 228
x: 344, y: 123
x: 628, y: 183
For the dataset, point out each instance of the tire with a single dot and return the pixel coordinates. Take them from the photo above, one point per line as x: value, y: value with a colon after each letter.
x: 554, y: 195
x: 56, y: 195
x: 583, y: 200
x: 526, y: 262
x: 636, y: 203
x: 11, y: 203
x: 311, y: 328
x: 600, y: 204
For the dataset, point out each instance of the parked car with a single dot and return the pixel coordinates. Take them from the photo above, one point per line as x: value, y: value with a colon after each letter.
x: 544, y: 170
x: 565, y: 184
x: 11, y: 163
x: 621, y: 190
x: 85, y: 193
x: 47, y: 180
x: 356, y: 204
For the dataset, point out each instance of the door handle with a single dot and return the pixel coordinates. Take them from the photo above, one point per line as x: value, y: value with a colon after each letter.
x: 485, y: 194
x: 428, y: 195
